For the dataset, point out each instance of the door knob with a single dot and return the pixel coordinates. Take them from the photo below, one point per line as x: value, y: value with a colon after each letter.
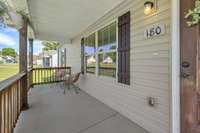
x: 185, y: 75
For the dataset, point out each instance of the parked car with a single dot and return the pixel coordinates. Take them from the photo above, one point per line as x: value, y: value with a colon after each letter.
x: 9, y: 59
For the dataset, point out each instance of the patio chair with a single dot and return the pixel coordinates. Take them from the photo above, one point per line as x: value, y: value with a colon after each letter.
x: 70, y: 82
x: 59, y: 76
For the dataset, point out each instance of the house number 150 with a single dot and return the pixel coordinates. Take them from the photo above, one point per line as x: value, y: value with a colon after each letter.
x: 154, y: 31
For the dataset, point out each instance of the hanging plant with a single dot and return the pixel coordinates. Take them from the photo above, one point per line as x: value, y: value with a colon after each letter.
x: 194, y: 14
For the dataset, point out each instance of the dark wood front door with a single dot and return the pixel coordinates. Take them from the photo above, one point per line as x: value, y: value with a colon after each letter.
x: 190, y: 73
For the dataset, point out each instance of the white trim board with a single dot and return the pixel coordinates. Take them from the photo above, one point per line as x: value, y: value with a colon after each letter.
x: 175, y: 69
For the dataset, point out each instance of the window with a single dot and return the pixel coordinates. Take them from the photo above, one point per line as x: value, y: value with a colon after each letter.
x: 90, y: 51
x: 107, y: 51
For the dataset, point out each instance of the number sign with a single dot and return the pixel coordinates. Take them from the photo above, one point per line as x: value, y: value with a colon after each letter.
x: 154, y: 31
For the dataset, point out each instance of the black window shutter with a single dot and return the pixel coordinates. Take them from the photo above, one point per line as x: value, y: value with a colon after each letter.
x: 124, y: 49
x: 82, y: 56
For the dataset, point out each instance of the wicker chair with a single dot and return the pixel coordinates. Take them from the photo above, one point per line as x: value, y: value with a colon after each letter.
x: 70, y: 82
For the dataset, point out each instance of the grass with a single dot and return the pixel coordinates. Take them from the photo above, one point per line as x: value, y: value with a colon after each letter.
x: 103, y: 69
x: 8, y: 70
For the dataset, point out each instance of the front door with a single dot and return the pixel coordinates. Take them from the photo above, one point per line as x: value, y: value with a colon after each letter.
x: 190, y: 72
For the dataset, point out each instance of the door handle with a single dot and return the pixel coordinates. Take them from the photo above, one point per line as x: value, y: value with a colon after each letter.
x: 185, y: 75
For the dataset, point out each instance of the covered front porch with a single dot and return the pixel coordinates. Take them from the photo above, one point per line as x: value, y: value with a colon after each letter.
x: 122, y: 49
x: 51, y: 111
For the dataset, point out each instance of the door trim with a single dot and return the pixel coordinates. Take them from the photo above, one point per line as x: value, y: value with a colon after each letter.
x: 175, y: 67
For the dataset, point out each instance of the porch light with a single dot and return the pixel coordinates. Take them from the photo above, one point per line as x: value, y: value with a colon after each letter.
x: 148, y: 7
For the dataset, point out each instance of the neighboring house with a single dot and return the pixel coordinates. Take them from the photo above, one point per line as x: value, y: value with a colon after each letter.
x: 39, y: 62
x: 108, y: 60
x: 49, y: 58
x: 35, y: 58
x: 91, y: 60
x: 46, y: 59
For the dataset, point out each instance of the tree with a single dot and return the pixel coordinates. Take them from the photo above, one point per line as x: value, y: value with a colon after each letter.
x: 9, y: 52
x: 49, y: 45
x: 112, y: 56
x: 0, y: 53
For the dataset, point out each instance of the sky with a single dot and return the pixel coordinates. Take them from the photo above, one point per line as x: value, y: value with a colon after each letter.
x: 105, y: 48
x: 9, y: 38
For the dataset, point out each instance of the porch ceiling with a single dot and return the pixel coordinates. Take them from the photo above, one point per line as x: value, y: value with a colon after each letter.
x: 61, y: 21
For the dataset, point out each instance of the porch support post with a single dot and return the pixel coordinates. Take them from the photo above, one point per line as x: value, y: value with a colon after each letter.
x: 23, y: 63
x: 175, y: 76
x: 31, y: 53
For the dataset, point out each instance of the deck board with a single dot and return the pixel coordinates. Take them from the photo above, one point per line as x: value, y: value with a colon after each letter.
x: 53, y: 112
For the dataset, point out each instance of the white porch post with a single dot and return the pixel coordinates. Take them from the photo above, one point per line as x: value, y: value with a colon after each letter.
x: 175, y: 64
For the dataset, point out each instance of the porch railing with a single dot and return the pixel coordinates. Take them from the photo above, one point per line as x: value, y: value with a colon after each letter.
x: 48, y: 75
x: 11, y: 98
x: 13, y: 93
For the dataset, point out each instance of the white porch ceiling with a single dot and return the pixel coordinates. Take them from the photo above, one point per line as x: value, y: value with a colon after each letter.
x: 61, y: 20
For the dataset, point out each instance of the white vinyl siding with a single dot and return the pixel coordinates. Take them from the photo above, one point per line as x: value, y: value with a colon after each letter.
x: 150, y: 68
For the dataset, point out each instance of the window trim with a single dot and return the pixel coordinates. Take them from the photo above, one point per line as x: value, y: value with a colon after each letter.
x: 110, y: 51
x: 97, y: 52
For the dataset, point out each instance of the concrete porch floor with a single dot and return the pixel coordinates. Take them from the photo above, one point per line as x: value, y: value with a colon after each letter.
x: 53, y: 112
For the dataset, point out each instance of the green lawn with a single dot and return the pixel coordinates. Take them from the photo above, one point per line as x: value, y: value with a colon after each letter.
x: 8, y: 70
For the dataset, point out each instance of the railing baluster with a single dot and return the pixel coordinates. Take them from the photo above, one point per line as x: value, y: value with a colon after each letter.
x: 11, y: 100
x: 9, y: 108
x: 45, y: 76
x: 7, y: 111
x: 35, y: 76
x: 4, y: 112
x: 12, y: 108
x: 55, y: 75
x: 42, y: 76
x: 18, y: 101
x: 38, y: 75
x: 49, y: 75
